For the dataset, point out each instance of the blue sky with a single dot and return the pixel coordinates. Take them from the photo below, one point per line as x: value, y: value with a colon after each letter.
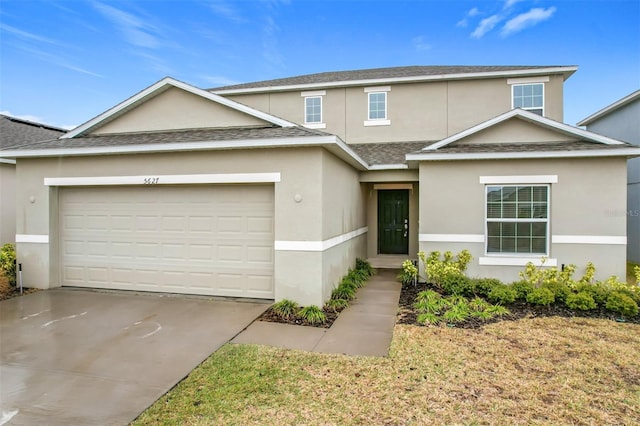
x: 64, y: 61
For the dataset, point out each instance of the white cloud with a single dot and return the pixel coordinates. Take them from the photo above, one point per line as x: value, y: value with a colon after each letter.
x: 218, y: 80
x: 470, y: 14
x: 226, y: 11
x: 486, y: 25
x: 420, y: 44
x: 57, y: 59
x: 509, y: 3
x: 135, y: 30
x: 525, y: 20
x: 30, y: 36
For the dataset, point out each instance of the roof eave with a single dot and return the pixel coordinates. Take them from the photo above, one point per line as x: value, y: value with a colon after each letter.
x: 610, y: 108
x: 565, y: 71
x: 621, y: 152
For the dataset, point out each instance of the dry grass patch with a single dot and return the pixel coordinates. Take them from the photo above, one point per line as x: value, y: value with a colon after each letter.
x: 533, y: 371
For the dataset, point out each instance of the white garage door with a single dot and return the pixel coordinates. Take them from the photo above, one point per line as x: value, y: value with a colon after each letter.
x: 195, y: 239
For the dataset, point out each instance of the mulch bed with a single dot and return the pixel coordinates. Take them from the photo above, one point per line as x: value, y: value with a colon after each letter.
x: 519, y: 310
x: 271, y: 316
x: 9, y: 292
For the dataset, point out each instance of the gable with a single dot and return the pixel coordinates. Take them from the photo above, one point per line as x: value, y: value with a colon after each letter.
x: 515, y: 130
x: 175, y: 109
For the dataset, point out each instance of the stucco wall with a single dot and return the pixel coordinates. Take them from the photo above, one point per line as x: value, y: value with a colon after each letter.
x: 584, y: 202
x: 7, y: 203
x: 177, y: 109
x: 417, y: 111
x: 624, y: 124
x: 299, y: 275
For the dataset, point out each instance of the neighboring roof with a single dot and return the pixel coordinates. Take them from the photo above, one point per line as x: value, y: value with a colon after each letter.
x: 386, y: 153
x: 188, y: 140
x: 16, y: 131
x: 159, y: 87
x: 588, y: 144
x: 611, y: 108
x: 391, y: 75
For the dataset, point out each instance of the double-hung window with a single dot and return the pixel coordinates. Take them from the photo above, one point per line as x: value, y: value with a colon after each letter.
x: 517, y: 219
x: 313, y: 110
x: 529, y: 97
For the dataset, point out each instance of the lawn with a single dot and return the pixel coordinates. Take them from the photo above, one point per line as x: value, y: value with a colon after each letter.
x: 538, y: 370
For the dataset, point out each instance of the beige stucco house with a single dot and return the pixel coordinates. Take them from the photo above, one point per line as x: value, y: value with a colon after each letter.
x: 15, y: 132
x: 272, y: 189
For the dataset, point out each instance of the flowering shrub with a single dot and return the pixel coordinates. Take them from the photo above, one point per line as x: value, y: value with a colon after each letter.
x: 439, y: 270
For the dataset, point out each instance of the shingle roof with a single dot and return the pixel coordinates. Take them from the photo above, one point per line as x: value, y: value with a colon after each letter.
x: 377, y: 73
x: 522, y: 147
x: 16, y: 131
x: 386, y: 152
x: 177, y: 136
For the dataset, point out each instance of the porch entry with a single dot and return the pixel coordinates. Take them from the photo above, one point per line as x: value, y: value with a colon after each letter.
x: 393, y: 221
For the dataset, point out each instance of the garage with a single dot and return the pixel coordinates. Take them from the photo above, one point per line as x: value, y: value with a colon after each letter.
x: 193, y: 239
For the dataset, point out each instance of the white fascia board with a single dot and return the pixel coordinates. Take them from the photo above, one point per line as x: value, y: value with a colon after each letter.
x: 626, y: 152
x: 7, y: 161
x: 609, y: 109
x: 388, y: 167
x: 527, y: 116
x: 382, y: 81
x: 220, y: 178
x: 160, y: 87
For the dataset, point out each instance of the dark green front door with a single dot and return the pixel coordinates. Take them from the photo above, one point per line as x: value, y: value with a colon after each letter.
x: 393, y: 221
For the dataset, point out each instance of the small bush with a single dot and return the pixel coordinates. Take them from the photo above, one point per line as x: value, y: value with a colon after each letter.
x: 409, y: 273
x: 312, y: 314
x: 559, y: 289
x: 581, y: 301
x: 428, y: 318
x: 498, y: 310
x: 457, y: 285
x: 8, y: 263
x: 358, y: 277
x: 502, y: 294
x: 477, y: 304
x: 622, y: 304
x: 348, y: 281
x: 364, y: 266
x: 598, y: 292
x: 429, y: 302
x: 336, y: 305
x: 522, y: 289
x: 483, y: 286
x: 344, y: 292
x: 541, y: 296
x: 285, y: 309
x: 458, y: 312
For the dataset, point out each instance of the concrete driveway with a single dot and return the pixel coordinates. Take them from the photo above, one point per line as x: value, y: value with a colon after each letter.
x: 88, y: 357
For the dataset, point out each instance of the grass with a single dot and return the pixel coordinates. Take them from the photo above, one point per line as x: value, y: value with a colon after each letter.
x: 532, y: 371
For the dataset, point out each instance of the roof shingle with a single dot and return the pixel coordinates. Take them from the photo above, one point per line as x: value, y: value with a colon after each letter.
x: 16, y: 131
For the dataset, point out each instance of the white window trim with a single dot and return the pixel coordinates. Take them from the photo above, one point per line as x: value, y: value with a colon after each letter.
x: 532, y: 179
x: 314, y: 124
x: 518, y: 255
x: 513, y: 86
x: 516, y: 261
x: 313, y: 93
x: 377, y: 121
x: 528, y: 80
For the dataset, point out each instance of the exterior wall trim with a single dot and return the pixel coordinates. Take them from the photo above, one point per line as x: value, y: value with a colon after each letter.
x: 519, y: 179
x: 32, y: 238
x: 164, y: 179
x: 589, y: 239
x: 451, y: 238
x: 620, y: 152
x: 7, y: 161
x: 527, y: 80
x: 369, y: 123
x: 377, y: 186
x: 313, y: 93
x: 280, y: 245
x: 376, y: 89
x: 516, y: 261
x: 388, y: 167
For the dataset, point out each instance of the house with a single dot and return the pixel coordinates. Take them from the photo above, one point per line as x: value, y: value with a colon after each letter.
x: 15, y: 132
x: 620, y: 120
x: 272, y: 189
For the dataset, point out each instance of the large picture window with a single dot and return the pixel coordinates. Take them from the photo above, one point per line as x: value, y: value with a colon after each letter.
x: 517, y: 219
x: 529, y: 97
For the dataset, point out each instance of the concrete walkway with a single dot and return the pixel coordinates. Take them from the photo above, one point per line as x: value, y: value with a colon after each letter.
x: 364, y: 328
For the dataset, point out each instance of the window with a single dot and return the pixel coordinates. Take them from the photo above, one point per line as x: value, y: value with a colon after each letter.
x: 529, y: 97
x: 517, y: 219
x: 378, y: 106
x: 313, y: 110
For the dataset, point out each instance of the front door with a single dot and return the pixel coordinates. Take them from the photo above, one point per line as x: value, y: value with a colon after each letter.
x: 393, y: 221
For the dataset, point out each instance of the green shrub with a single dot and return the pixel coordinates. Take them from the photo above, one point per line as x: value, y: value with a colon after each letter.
x: 429, y: 302
x: 438, y: 269
x: 559, y: 289
x: 344, y: 292
x: 598, y: 292
x: 458, y: 312
x: 457, y: 284
x: 8, y: 262
x: 522, y: 289
x: 581, y: 301
x: 348, y: 281
x: 622, y: 304
x: 358, y: 277
x: 479, y: 305
x: 336, y: 305
x: 285, y: 309
x: 312, y: 314
x: 497, y: 310
x: 483, y: 286
x: 409, y: 273
x: 428, y: 318
x: 502, y: 294
x: 364, y: 266
x: 541, y: 296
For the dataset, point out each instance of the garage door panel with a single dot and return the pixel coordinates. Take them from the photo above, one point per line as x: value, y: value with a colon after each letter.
x: 202, y: 240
